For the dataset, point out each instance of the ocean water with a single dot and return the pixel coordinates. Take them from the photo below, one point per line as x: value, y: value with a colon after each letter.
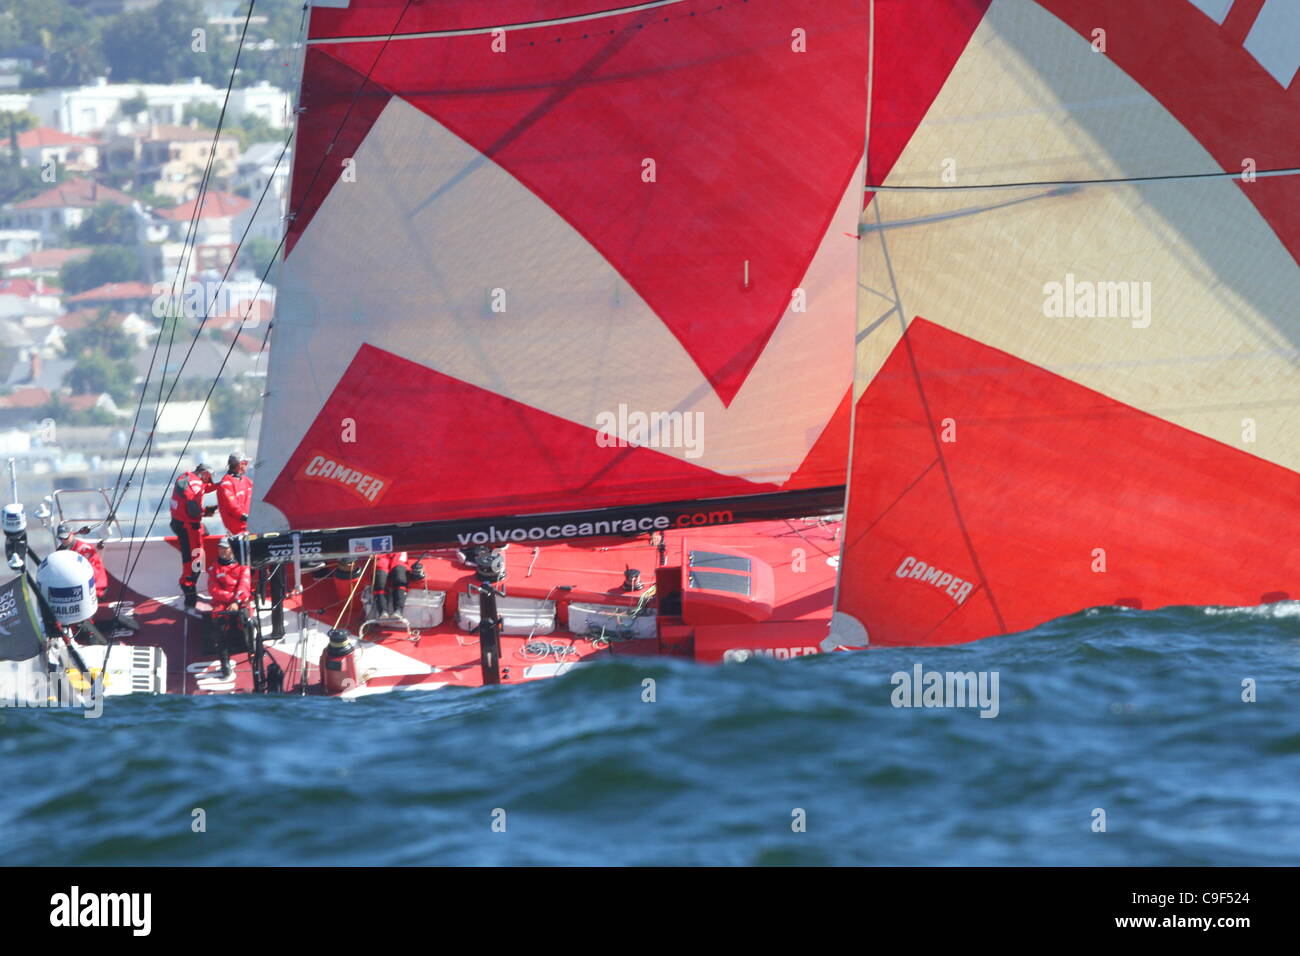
x: 1139, y: 714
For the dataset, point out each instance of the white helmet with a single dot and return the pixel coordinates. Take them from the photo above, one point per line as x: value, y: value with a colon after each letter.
x: 67, y: 582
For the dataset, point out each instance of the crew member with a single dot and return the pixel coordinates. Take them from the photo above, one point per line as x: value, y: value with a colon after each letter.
x: 235, y: 494
x: 187, y: 524
x: 391, y: 581
x: 230, y: 584
x: 70, y: 542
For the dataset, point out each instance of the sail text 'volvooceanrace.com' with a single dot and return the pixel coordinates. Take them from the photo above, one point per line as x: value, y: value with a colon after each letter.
x: 587, y: 529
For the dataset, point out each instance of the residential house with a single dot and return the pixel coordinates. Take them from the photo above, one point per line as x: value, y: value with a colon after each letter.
x: 43, y: 262
x: 23, y: 405
x: 136, y: 327
x: 123, y: 296
x: 214, y: 238
x: 61, y: 208
x: 14, y: 62
x: 33, y: 292
x: 216, y: 213
x: 169, y: 159
x: 88, y: 109
x: 43, y: 146
x: 261, y: 164
x: 16, y: 244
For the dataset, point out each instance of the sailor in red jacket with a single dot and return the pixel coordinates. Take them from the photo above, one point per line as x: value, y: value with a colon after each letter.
x: 229, y: 582
x: 70, y: 542
x: 231, y: 587
x: 187, y: 525
x: 391, y: 581
x: 235, y: 495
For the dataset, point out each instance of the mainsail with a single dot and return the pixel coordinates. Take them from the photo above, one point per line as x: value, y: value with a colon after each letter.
x: 549, y: 258
x: 1077, y: 369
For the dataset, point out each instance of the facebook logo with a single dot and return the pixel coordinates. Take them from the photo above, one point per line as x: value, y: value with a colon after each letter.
x: 370, y: 545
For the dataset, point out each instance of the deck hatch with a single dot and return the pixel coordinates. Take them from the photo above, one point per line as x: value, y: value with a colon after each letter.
x: 713, y: 581
x: 712, y: 559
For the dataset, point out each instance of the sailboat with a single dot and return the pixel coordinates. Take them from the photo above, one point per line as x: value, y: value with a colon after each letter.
x: 754, y: 329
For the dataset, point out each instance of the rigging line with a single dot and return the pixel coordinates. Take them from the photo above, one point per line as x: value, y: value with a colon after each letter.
x: 194, y: 341
x: 348, y: 112
x: 225, y: 275
x: 329, y: 148
x: 527, y: 25
x: 189, y: 438
x: 843, y: 549
x: 346, y: 604
x: 299, y: 62
x: 1115, y: 181
x: 269, y: 266
x: 190, y: 234
x: 934, y: 432
x: 190, y: 241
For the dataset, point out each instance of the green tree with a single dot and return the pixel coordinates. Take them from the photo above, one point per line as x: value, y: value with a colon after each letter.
x: 256, y: 254
x: 21, y: 182
x: 249, y: 128
x: 13, y: 122
x: 156, y: 45
x: 59, y: 410
x: 104, y: 264
x: 232, y: 407
x: 133, y: 106
x: 107, y: 225
x: 206, y: 114
x: 94, y: 373
x: 75, y: 54
x: 101, y: 335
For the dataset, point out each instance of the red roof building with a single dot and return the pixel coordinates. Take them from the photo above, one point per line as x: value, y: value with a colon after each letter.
x: 216, y: 205
x: 57, y: 210
x: 43, y: 145
x: 44, y: 262
x: 79, y: 193
x: 135, y: 296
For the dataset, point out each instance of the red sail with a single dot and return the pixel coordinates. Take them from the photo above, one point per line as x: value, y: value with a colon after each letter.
x: 545, y: 257
x: 1077, y: 370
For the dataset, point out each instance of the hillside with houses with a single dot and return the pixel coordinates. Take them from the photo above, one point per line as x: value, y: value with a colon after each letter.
x: 136, y: 242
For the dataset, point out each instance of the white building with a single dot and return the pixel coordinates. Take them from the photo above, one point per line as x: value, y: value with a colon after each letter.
x: 256, y: 168
x: 89, y: 109
x: 43, y: 145
x: 60, y: 208
x: 16, y: 244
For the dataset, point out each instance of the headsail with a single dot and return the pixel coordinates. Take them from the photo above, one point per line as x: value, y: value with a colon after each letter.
x: 574, y: 260
x: 1077, y: 372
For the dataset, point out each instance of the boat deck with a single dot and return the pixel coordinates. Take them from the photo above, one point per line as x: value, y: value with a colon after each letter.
x: 801, y: 554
